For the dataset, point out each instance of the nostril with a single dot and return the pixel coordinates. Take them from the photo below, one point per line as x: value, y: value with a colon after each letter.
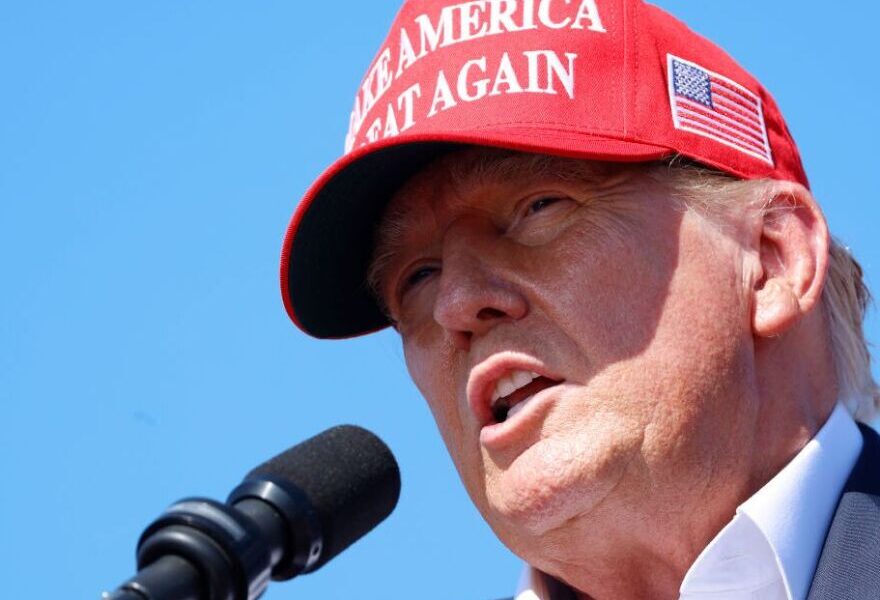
x: 487, y: 314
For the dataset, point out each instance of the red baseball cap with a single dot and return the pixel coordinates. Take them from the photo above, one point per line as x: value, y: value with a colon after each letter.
x: 610, y: 80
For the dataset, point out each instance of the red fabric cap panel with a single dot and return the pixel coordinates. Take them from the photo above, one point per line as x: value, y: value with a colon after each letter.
x: 475, y: 66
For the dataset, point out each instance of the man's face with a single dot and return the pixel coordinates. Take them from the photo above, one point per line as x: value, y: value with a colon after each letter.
x: 612, y: 321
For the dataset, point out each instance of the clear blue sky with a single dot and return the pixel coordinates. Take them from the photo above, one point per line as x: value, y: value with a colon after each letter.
x: 151, y: 154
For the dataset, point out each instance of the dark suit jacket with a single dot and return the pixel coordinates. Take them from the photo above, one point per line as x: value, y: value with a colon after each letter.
x: 849, y: 566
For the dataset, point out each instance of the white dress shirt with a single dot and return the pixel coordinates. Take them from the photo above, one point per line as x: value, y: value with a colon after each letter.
x: 770, y: 548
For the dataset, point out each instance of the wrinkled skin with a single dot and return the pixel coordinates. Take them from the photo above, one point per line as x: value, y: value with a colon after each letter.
x: 646, y: 312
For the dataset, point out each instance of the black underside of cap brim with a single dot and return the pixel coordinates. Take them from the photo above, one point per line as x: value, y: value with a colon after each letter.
x: 332, y: 246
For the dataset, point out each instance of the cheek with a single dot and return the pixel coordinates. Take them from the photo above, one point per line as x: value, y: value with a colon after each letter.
x: 429, y: 367
x: 606, y: 286
x: 435, y: 369
x: 693, y: 374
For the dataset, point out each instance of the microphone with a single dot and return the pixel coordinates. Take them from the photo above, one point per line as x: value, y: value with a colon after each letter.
x: 289, y: 516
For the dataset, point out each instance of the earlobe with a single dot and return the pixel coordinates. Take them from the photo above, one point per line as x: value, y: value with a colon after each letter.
x: 794, y: 258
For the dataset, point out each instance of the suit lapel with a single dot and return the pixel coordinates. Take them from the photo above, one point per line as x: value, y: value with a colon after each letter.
x: 849, y: 566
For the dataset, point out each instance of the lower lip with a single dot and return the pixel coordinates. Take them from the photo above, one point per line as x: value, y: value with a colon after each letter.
x: 497, y: 436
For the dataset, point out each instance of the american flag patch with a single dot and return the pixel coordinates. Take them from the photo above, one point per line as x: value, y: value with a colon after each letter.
x: 713, y: 106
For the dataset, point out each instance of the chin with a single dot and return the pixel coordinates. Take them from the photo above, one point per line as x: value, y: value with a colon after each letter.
x: 533, y: 503
x: 531, y: 511
x: 555, y: 483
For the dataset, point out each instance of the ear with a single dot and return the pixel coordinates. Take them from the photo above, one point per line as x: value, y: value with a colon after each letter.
x: 794, y: 258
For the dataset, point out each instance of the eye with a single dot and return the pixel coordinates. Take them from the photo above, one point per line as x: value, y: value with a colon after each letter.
x: 415, y: 277
x: 541, y: 204
x: 538, y: 206
x: 537, y: 217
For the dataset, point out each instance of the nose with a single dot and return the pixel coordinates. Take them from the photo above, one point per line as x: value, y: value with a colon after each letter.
x: 476, y: 288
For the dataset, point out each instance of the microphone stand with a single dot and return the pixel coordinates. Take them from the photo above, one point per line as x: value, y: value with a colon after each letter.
x: 169, y: 578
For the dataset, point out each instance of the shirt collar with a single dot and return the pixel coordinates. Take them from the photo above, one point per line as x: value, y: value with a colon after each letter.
x: 532, y: 585
x: 777, y: 534
x: 794, y: 509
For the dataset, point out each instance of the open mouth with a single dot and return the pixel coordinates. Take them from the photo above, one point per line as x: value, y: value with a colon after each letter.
x: 514, y: 391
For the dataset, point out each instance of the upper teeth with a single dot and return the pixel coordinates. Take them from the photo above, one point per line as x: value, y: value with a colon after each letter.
x: 512, y: 382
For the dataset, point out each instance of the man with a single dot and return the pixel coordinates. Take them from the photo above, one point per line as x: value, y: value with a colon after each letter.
x: 594, y: 234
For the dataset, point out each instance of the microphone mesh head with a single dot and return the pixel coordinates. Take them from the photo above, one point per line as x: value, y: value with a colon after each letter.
x: 350, y: 477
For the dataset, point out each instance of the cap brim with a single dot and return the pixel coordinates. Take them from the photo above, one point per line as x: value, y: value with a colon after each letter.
x: 328, y: 245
